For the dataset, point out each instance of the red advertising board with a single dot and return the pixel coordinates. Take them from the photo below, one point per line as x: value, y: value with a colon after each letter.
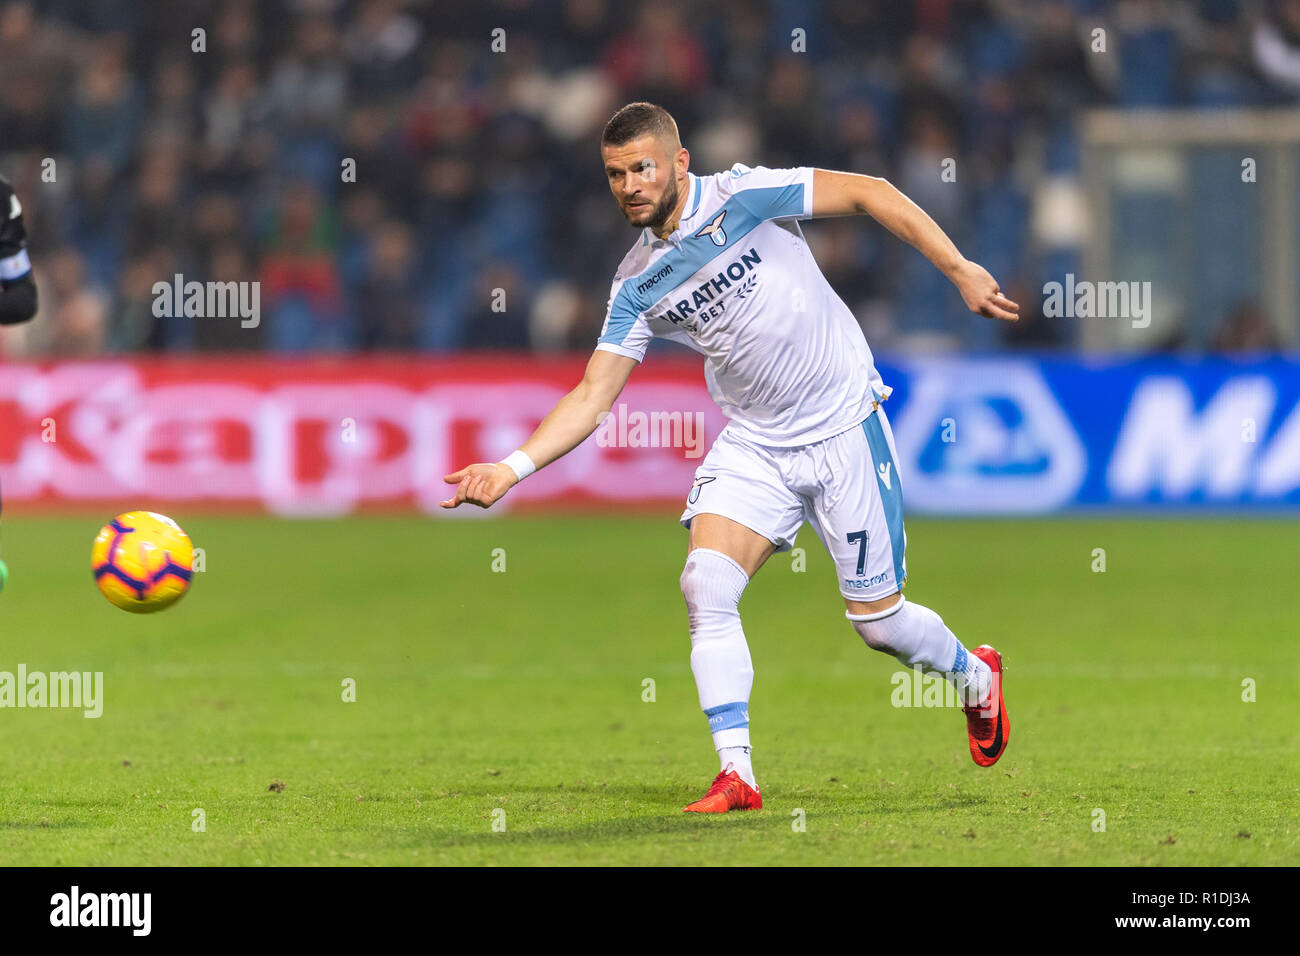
x: 331, y: 436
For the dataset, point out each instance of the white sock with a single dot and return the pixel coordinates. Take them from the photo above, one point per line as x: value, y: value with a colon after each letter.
x: 712, y: 584
x: 972, y: 677
x: 916, y: 635
x: 737, y: 758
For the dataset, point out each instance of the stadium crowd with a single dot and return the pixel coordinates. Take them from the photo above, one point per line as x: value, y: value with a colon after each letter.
x: 479, y: 216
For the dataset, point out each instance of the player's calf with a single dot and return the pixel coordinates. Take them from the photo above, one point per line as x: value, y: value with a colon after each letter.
x: 917, y: 636
x: 712, y: 584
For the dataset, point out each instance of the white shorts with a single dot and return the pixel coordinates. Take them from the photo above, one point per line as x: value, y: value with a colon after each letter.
x: 846, y: 487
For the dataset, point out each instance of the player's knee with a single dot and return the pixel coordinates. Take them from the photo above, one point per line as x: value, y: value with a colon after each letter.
x: 712, y: 584
x: 875, y: 635
x: 880, y: 631
x: 690, y: 582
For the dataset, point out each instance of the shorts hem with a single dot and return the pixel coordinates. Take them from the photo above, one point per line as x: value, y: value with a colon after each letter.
x: 874, y: 594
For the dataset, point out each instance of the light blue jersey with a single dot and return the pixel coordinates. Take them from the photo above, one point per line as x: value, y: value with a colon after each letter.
x: 785, y: 360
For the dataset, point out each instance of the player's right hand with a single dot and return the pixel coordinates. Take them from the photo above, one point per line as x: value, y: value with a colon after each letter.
x: 482, y: 484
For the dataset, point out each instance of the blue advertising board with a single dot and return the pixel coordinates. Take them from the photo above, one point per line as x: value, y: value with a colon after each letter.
x: 1034, y: 435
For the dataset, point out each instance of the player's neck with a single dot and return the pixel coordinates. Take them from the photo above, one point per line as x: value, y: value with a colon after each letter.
x: 673, y: 221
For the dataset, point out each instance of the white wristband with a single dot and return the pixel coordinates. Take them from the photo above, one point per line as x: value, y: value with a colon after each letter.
x: 520, y: 464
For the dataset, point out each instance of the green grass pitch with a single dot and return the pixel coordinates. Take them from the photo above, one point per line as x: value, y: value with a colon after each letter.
x: 486, y: 697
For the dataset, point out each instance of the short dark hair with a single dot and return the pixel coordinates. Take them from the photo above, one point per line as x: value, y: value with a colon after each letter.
x: 640, y: 119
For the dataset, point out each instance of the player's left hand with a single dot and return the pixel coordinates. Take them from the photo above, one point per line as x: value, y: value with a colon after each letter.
x: 482, y: 484
x: 981, y: 293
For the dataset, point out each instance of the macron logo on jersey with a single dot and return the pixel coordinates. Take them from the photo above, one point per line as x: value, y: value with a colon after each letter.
x: 650, y: 281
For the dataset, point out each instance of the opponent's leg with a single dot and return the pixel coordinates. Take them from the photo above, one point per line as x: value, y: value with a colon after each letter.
x: 723, y: 555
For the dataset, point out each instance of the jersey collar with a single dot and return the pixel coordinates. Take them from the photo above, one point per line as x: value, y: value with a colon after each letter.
x: 692, y: 198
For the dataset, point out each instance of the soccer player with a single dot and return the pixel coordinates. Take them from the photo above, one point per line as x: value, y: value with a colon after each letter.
x: 17, y: 290
x: 721, y: 265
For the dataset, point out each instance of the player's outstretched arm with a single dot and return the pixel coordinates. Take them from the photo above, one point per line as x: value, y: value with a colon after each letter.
x: 850, y: 194
x: 565, y: 427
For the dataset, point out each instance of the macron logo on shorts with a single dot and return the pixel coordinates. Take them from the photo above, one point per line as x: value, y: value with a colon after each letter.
x: 883, y: 470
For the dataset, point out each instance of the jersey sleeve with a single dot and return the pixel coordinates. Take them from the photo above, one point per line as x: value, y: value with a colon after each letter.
x: 771, y: 193
x: 626, y: 331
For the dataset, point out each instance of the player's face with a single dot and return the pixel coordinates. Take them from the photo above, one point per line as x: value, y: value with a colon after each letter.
x: 643, y: 178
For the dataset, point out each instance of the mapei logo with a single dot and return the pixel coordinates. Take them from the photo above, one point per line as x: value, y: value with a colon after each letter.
x: 717, y: 235
x: 986, y: 437
x: 1239, y: 441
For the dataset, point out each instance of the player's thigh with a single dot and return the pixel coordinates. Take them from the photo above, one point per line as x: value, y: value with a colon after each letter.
x: 743, y: 545
x: 858, y: 513
x: 739, y: 504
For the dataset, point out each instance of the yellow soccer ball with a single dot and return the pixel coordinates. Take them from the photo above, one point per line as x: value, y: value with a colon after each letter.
x: 142, y: 561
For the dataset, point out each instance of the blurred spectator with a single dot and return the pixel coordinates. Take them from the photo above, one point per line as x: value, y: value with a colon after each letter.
x: 228, y: 261
x: 1246, y: 329
x: 382, y: 46
x: 233, y: 109
x: 500, y: 319
x: 793, y: 120
x: 101, y: 121
x: 134, y: 325
x: 308, y: 89
x: 388, y: 294
x: 661, y: 60
x: 301, y: 292
x: 172, y: 108
x: 76, y: 313
x: 35, y: 61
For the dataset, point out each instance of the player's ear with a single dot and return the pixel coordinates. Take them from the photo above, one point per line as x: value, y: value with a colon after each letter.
x: 682, y: 160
